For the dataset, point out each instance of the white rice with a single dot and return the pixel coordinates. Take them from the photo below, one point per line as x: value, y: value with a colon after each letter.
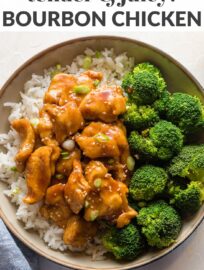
x: 113, y: 68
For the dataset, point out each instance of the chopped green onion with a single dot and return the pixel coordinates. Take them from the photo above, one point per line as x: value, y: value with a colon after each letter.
x: 16, y: 190
x: 82, y: 89
x: 98, y: 54
x: 56, y: 70
x: 96, y: 83
x: 94, y: 215
x: 14, y: 169
x: 59, y: 176
x: 64, y: 154
x: 111, y: 161
x: 87, y: 62
x: 130, y: 163
x: 101, y: 137
x: 97, y: 182
x: 34, y: 122
x: 86, y: 205
x: 58, y: 66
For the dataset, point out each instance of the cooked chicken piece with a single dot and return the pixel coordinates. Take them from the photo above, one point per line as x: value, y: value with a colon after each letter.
x: 107, y: 200
x: 103, y: 140
x: 65, y: 164
x: 76, y: 188
x: 126, y: 217
x: 118, y: 171
x: 38, y: 174
x: 95, y: 170
x: 66, y: 119
x: 55, y: 207
x: 25, y: 129
x: 62, y: 87
x: 45, y: 130
x: 78, y: 232
x: 104, y: 103
x: 94, y: 75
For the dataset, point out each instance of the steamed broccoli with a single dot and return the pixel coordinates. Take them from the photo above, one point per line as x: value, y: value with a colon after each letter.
x: 187, y: 200
x: 181, y: 109
x: 139, y: 117
x: 145, y: 84
x: 189, y: 163
x: 147, y: 182
x: 160, y: 223
x: 163, y: 142
x: 125, y: 244
x: 161, y: 104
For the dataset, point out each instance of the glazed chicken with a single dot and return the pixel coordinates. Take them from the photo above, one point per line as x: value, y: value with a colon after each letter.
x: 55, y: 207
x: 66, y: 119
x: 63, y: 87
x: 107, y: 200
x: 45, y: 131
x: 75, y: 158
x: 78, y: 232
x: 105, y: 103
x: 76, y: 188
x: 65, y: 163
x: 99, y: 140
x: 27, y: 134
x: 38, y: 174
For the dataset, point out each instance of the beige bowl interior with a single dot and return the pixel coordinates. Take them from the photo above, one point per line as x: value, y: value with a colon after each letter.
x: 178, y: 79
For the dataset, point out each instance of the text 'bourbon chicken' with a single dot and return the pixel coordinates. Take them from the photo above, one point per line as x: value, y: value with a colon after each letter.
x: 38, y: 174
x: 105, y: 103
x: 24, y: 128
x: 99, y: 140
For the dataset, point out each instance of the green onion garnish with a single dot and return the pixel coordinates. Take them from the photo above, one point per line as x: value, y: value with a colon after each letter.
x: 86, y: 205
x: 87, y: 62
x: 14, y: 169
x: 130, y: 163
x: 56, y: 70
x: 94, y: 215
x: 97, y: 182
x: 98, y: 54
x: 16, y: 190
x: 59, y: 176
x: 34, y: 122
x: 82, y: 89
x: 111, y: 161
x: 96, y: 83
x: 101, y: 137
x: 64, y: 154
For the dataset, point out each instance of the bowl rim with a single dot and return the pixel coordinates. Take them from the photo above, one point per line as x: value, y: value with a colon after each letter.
x: 43, y: 53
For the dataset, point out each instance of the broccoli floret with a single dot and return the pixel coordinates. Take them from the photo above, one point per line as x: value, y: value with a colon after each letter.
x: 160, y: 223
x: 163, y: 142
x: 167, y: 138
x: 147, y: 182
x: 186, y: 200
x: 142, y: 146
x: 161, y: 104
x: 153, y: 70
x: 139, y: 117
x: 189, y: 163
x: 185, y: 111
x: 125, y: 244
x: 144, y: 85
